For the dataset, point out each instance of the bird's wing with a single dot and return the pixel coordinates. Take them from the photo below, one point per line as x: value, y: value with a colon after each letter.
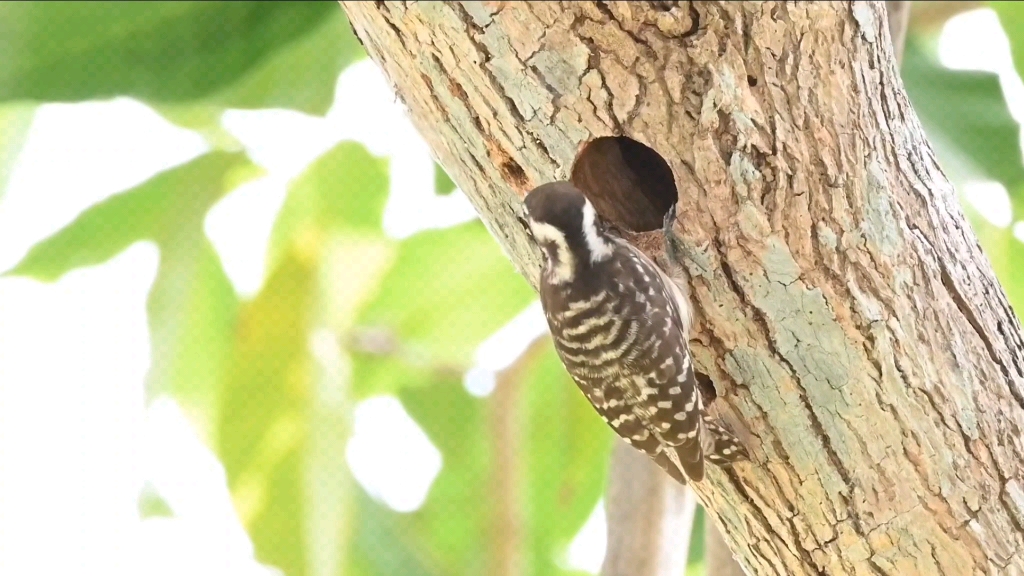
x: 680, y: 301
x: 667, y: 388
x: 623, y: 416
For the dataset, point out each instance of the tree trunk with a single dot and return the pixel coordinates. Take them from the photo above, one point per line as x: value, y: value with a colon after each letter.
x: 857, y: 338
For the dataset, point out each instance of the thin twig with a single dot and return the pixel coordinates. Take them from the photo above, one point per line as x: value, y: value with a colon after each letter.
x: 899, y: 18
x: 507, y: 530
x: 718, y: 559
x: 385, y: 343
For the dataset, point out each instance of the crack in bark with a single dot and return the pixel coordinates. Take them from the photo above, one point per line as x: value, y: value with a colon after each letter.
x: 695, y: 26
x: 972, y: 319
x: 472, y: 28
x: 793, y: 545
x: 596, y: 57
x: 812, y: 417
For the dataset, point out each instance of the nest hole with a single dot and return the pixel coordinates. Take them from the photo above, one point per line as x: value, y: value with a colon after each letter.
x: 628, y: 183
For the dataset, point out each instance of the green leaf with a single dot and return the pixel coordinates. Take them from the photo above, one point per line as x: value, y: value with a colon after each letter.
x: 203, y: 119
x: 301, y: 75
x: 158, y: 209
x: 174, y: 52
x: 192, y: 309
x: 152, y: 505
x: 1011, y: 17
x: 15, y: 122
x: 262, y: 429
x: 443, y: 184
x: 375, y: 375
x: 965, y: 116
x: 344, y: 190
x: 695, y: 557
x: 448, y: 290
x: 453, y: 523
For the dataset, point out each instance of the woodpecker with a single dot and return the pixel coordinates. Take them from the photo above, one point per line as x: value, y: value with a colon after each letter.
x: 621, y: 327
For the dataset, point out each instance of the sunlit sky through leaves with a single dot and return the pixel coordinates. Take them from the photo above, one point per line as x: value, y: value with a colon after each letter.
x: 77, y: 444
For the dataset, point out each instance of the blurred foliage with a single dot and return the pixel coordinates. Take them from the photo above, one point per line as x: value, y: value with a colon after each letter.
x: 1011, y: 16
x: 270, y: 381
x: 151, y: 504
x: 443, y: 184
x: 192, y: 304
x: 981, y: 140
x: 235, y: 54
x: 316, y: 206
x: 15, y: 121
x: 435, y: 269
x: 346, y: 312
x: 563, y: 459
x: 695, y: 557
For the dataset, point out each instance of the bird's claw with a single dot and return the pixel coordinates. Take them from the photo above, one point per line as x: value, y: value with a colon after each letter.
x: 672, y: 247
x: 670, y: 219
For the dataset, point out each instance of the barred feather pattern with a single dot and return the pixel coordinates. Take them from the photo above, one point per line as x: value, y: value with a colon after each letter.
x: 623, y: 338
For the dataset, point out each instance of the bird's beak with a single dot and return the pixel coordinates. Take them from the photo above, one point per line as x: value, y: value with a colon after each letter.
x: 522, y: 217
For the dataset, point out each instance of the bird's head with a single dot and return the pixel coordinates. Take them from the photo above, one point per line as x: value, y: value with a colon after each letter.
x: 566, y: 227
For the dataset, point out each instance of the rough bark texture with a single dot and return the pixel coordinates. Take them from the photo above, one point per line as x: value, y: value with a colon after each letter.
x: 858, y: 339
x: 650, y: 517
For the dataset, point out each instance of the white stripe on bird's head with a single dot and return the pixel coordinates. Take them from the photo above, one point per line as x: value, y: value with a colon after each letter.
x: 599, y: 248
x: 560, y: 270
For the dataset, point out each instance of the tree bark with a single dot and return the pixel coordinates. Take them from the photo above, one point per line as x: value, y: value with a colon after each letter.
x: 857, y: 337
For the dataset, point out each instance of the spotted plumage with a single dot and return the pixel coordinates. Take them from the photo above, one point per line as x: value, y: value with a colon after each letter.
x: 620, y: 326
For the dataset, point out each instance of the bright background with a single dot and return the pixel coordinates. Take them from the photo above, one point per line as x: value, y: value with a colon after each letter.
x: 252, y: 323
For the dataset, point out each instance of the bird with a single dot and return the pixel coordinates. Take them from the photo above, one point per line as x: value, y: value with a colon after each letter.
x: 620, y: 325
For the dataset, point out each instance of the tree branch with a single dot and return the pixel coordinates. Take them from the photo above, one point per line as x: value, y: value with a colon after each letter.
x: 385, y: 343
x: 929, y: 16
x: 898, y: 15
x: 507, y: 526
x: 650, y: 518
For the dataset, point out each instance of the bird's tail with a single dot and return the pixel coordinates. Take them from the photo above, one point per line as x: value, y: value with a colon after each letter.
x: 679, y: 464
x: 725, y: 448
x: 720, y: 447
